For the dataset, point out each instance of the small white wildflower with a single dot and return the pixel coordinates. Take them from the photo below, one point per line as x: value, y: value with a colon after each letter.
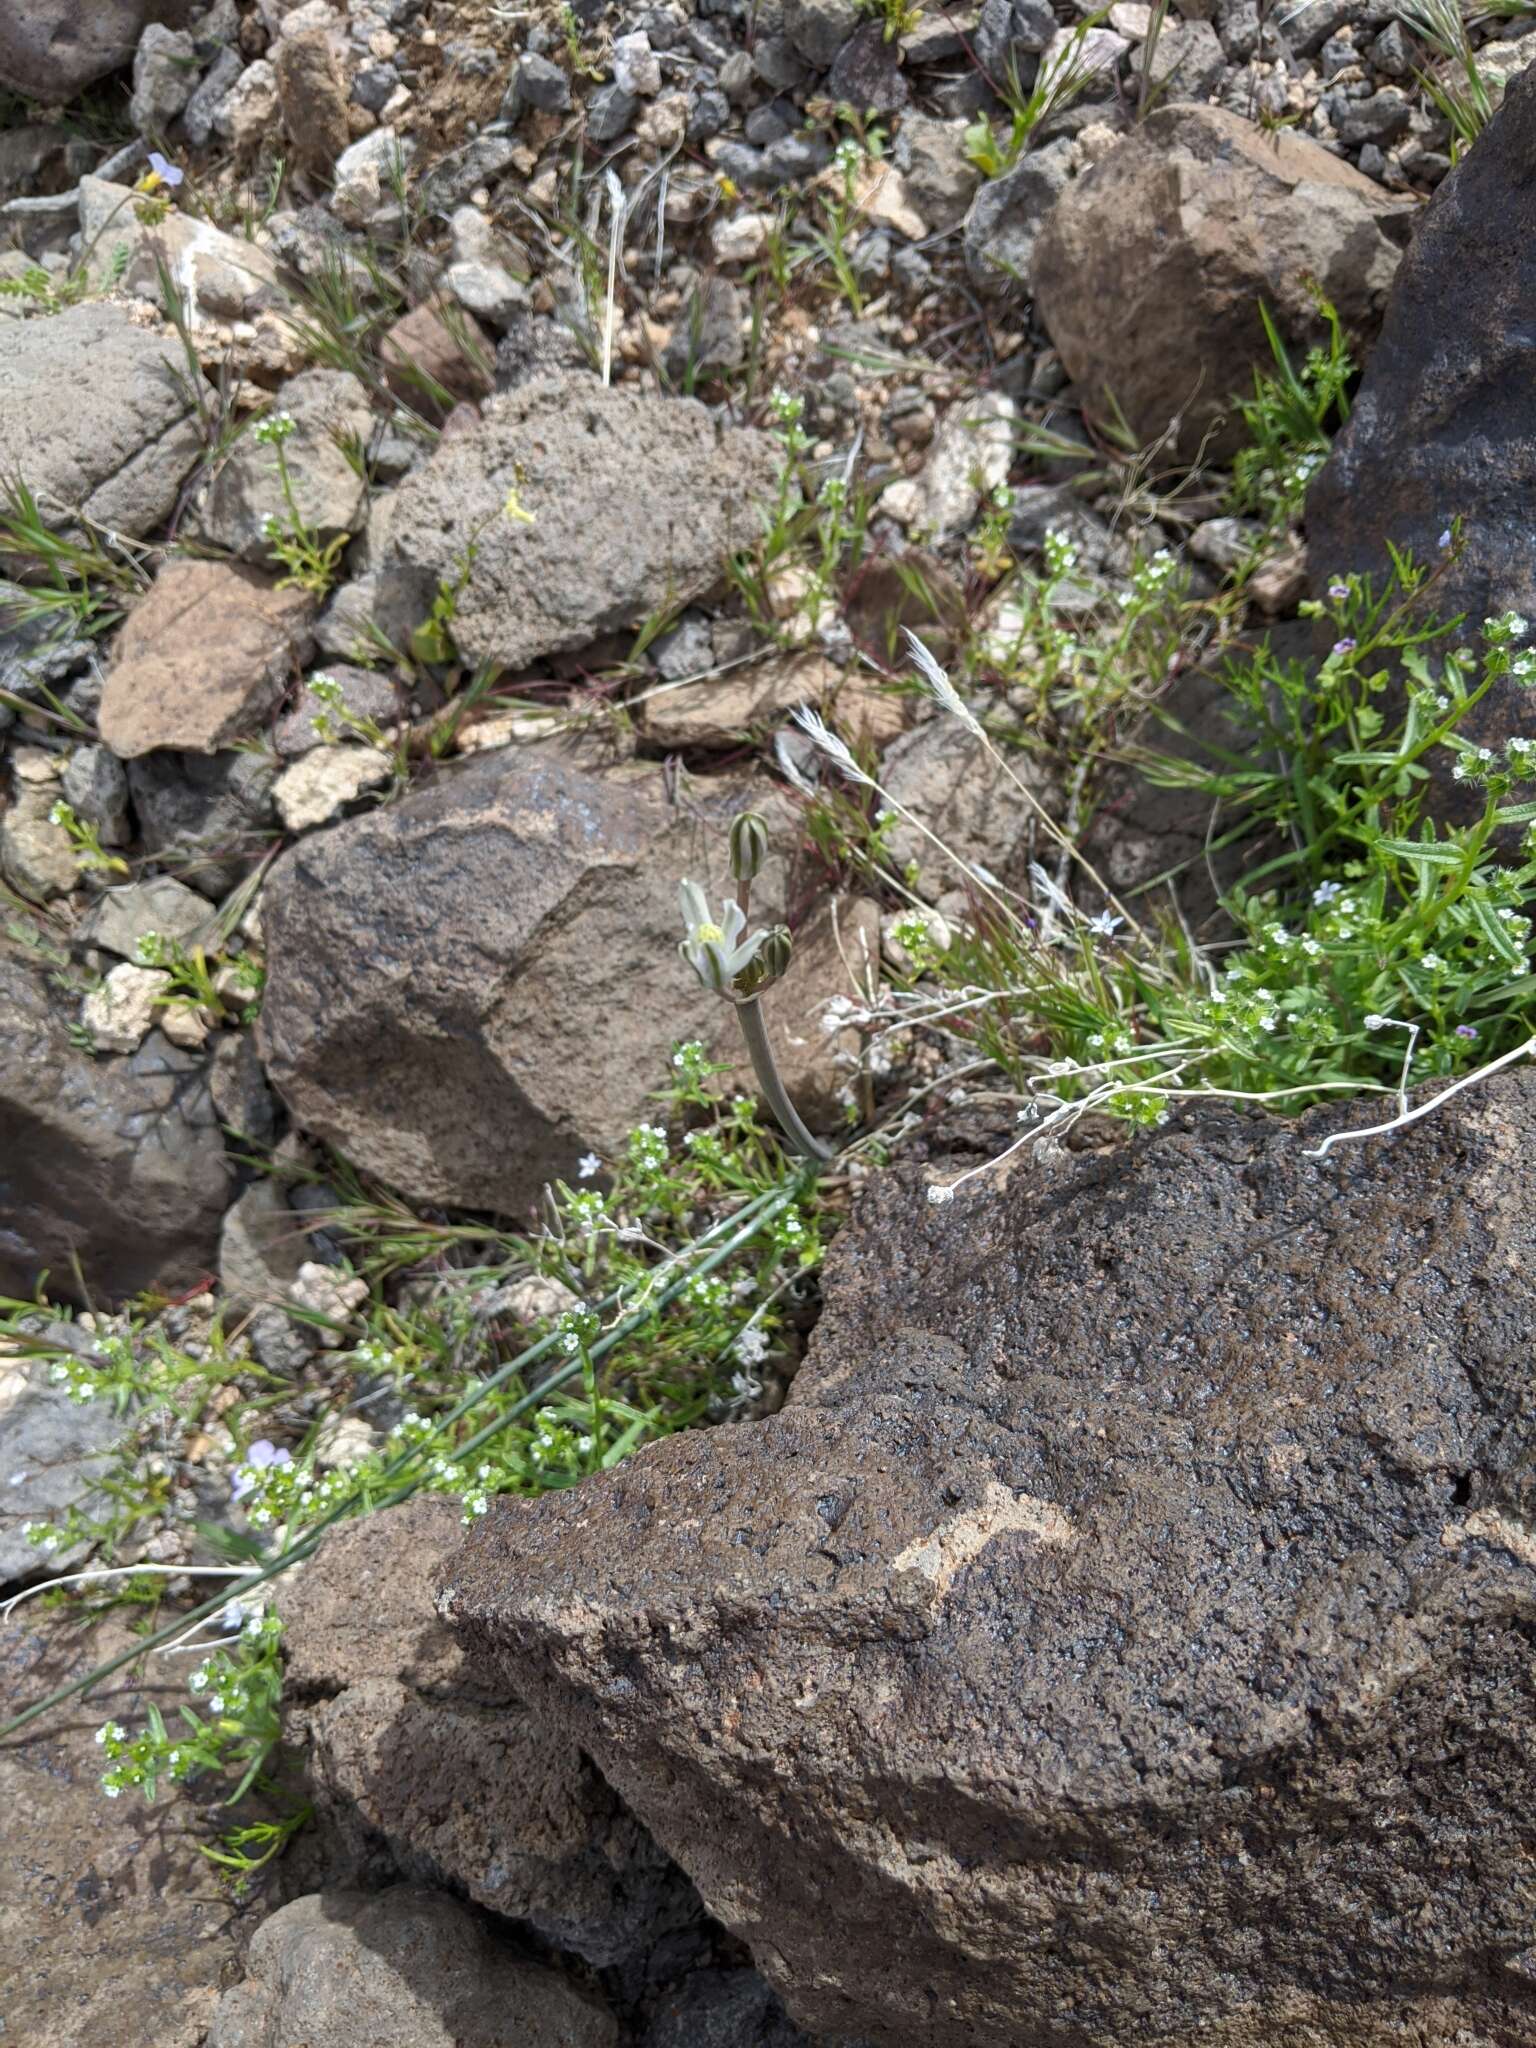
x: 589, y: 1167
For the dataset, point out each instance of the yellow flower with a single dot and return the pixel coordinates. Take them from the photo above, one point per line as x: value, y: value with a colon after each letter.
x: 516, y: 511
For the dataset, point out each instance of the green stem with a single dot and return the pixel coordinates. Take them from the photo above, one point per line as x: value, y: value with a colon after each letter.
x: 755, y: 1032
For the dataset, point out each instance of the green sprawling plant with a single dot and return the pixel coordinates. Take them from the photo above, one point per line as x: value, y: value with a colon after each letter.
x: 510, y: 1364
x: 1057, y: 84
x: 91, y: 857
x: 1290, y: 422
x: 813, y: 538
x: 898, y: 17
x: 1088, y: 662
x: 1379, y: 942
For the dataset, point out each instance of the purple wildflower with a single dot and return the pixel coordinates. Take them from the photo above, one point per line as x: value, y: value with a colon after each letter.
x: 168, y: 173
x: 1466, y: 1031
x: 261, y: 1457
x: 1345, y: 646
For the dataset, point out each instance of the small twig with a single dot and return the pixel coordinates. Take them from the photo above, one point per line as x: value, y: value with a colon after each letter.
x: 124, y: 1571
x: 1412, y: 1116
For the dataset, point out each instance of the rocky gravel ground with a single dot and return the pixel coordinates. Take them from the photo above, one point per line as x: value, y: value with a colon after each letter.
x: 455, y: 459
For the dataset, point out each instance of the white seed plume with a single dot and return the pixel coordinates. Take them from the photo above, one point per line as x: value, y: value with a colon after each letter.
x: 940, y: 688
x: 814, y: 726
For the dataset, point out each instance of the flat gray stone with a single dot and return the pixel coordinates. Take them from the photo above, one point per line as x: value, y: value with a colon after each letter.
x: 634, y: 503
x: 95, y: 417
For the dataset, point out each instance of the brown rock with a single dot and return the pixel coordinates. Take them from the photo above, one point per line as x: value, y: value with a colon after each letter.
x: 203, y: 659
x: 420, y: 1768
x: 978, y: 811
x: 115, y: 1931
x: 894, y: 594
x: 400, y: 1969
x: 1279, y: 584
x: 437, y: 357
x: 722, y: 711
x: 870, y: 713
x: 1445, y: 419
x: 526, y: 915
x: 312, y: 87
x: 1122, y: 1634
x: 363, y: 1609
x: 1150, y: 269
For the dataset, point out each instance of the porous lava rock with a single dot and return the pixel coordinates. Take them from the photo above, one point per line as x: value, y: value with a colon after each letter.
x: 1444, y: 423
x: 1122, y: 1635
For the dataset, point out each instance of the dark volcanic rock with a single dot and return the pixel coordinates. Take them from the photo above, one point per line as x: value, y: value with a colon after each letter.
x: 115, y: 1162
x: 1445, y: 419
x: 1123, y: 1633
x: 420, y: 1771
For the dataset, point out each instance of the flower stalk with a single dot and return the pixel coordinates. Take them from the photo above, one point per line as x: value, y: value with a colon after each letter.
x: 739, y: 964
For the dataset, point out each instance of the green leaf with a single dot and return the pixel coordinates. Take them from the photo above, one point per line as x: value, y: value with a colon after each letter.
x: 1491, y: 925
x: 1422, y: 853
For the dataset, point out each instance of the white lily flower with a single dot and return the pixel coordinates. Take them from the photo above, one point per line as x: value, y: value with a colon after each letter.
x: 717, y: 952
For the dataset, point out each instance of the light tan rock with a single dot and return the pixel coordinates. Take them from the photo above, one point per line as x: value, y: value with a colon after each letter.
x: 123, y: 1011
x: 320, y: 785
x: 203, y: 659
x: 720, y: 711
x: 218, y: 276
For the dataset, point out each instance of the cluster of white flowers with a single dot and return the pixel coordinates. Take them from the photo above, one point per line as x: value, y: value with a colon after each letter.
x: 1060, y: 553
x: 648, y: 1147
x: 274, y: 429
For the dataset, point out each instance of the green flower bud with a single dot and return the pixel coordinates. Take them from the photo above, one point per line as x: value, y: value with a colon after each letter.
x: 775, y: 953
x: 767, y: 964
x: 749, y: 846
